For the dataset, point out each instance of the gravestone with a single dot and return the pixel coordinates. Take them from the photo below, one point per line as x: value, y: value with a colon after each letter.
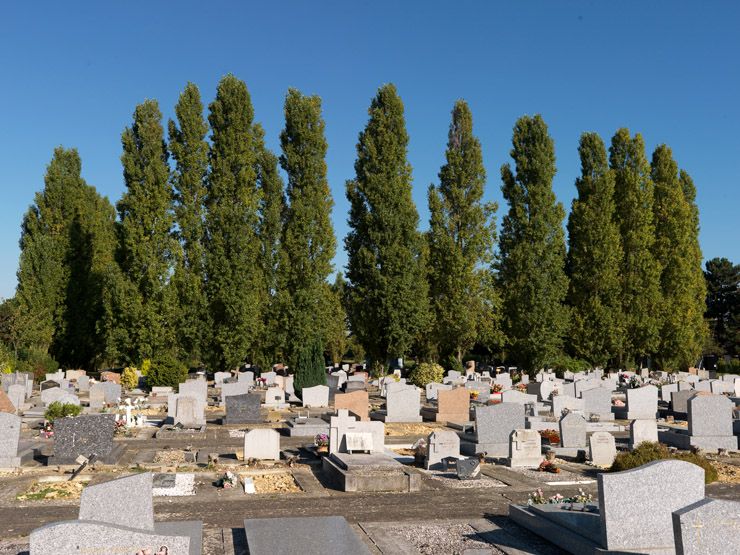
x: 112, y: 391
x: 585, y: 385
x: 6, y: 405
x: 247, y: 376
x: 707, y: 527
x: 17, y: 395
x: 710, y: 422
x: 453, y: 405
x: 49, y: 396
x: 103, y: 502
x: 598, y: 401
x: 642, y: 403
x: 562, y: 402
x: 96, y: 396
x: 195, y: 388
x: 343, y: 424
x: 355, y: 402
x: 403, y: 404
x: 703, y: 386
x: 680, y: 400
x: 666, y: 390
x: 573, y: 431
x: 494, y: 425
x: 49, y: 384
x: 525, y: 449
x: 243, y: 409
x: 642, y: 431
x: 440, y: 445
x: 269, y: 376
x: 113, y: 377
x: 514, y: 396
x: 219, y: 377
x: 10, y: 434
x: 83, y: 435
x: 305, y: 535
x: 74, y: 374
x: 188, y: 411
x: 275, y: 397
x: 654, y: 489
x: 467, y: 469
x: 317, y: 396
x: 431, y: 390
x: 233, y: 388
x: 83, y: 383
x: 602, y: 448
x: 262, y: 444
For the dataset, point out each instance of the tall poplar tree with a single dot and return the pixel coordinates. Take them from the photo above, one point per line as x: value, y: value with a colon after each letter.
x: 640, y: 271
x: 189, y: 149
x: 308, y: 244
x: 67, y: 240
x: 233, y: 266
x: 387, y: 291
x: 678, y: 254
x: 272, y: 205
x: 461, y: 239
x: 723, y: 304
x: 532, y: 249
x: 148, y: 248
x: 594, y: 257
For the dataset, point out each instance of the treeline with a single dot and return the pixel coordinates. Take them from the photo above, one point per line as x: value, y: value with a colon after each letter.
x: 211, y: 258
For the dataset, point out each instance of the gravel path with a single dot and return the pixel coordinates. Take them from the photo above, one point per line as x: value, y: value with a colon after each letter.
x: 450, y: 480
x: 452, y: 539
x: 562, y: 476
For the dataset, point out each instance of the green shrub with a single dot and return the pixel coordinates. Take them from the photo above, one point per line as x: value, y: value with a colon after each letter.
x: 648, y: 452
x: 58, y: 410
x: 36, y: 362
x: 729, y: 367
x: 166, y: 371
x: 7, y: 359
x: 309, y: 369
x: 453, y: 364
x: 426, y: 372
x: 564, y: 363
x: 129, y: 379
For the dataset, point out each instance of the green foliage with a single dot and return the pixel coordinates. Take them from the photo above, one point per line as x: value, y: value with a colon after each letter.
x: 67, y: 239
x: 37, y: 362
x: 337, y: 341
x: 233, y: 266
x: 189, y: 148
x: 387, y: 292
x: 58, y: 410
x: 129, y: 379
x: 309, y: 368
x: 648, y: 452
x: 307, y: 247
x: 532, y: 249
x: 729, y: 367
x: 426, y: 372
x: 148, y: 247
x: 461, y: 236
x: 682, y: 327
x: 166, y: 371
x: 594, y: 256
x: 640, y: 271
x: 723, y: 304
x: 272, y: 205
x: 7, y: 359
x: 564, y: 363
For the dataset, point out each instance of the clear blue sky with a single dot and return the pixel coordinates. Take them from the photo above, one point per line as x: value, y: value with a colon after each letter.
x: 72, y: 74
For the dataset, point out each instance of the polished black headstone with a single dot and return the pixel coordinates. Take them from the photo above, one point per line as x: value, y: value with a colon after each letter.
x: 243, y: 409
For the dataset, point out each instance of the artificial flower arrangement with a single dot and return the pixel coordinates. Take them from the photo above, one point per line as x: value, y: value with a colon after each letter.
x: 538, y: 498
x: 474, y: 394
x: 322, y: 442
x: 498, y: 388
x: 548, y: 466
x: 521, y: 387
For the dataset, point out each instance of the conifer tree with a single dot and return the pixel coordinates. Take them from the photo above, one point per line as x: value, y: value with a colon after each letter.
x: 309, y: 366
x: 723, y: 304
x: 67, y: 240
x: 271, y: 209
x: 189, y: 149
x: 633, y: 195
x: 594, y: 256
x: 677, y: 253
x: 148, y: 248
x: 461, y: 239
x: 387, y: 293
x: 307, y: 246
x: 532, y: 249
x: 337, y: 343
x: 233, y: 266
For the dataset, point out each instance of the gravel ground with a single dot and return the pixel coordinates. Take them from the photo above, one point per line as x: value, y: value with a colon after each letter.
x: 450, y: 480
x: 453, y: 539
x: 236, y: 433
x: 562, y: 476
x: 184, y: 485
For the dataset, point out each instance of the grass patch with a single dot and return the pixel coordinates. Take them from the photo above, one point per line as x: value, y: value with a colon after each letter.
x: 648, y: 452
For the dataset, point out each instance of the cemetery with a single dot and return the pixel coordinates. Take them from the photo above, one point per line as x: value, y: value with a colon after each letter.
x: 369, y: 278
x: 522, y: 473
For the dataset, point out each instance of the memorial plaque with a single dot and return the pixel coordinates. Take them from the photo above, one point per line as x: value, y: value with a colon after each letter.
x: 83, y: 435
x: 243, y: 409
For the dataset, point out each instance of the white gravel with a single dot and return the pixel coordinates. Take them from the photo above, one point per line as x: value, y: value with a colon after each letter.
x: 435, y: 539
x: 450, y: 480
x: 184, y: 486
x: 237, y: 433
